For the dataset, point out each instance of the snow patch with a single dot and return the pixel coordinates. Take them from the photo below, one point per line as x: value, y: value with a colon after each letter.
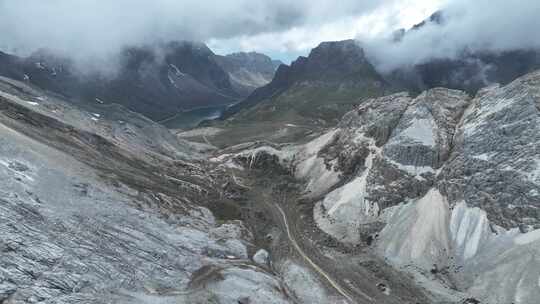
x: 421, y: 130
x: 483, y: 156
x: 416, y: 171
x: 177, y: 70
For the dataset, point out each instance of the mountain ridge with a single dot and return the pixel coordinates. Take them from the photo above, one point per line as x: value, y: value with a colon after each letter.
x: 155, y: 81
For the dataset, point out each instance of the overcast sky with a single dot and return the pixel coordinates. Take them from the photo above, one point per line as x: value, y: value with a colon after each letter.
x: 283, y: 29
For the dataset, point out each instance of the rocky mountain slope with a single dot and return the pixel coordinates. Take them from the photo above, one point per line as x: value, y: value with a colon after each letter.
x: 338, y: 70
x: 312, y: 93
x: 406, y: 198
x: 157, y: 82
x: 248, y: 71
x: 103, y: 205
x: 442, y: 186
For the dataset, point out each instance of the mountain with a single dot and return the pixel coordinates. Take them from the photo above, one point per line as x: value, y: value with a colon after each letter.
x: 442, y: 186
x: 248, y: 71
x: 336, y: 68
x: 157, y: 81
x: 313, y: 91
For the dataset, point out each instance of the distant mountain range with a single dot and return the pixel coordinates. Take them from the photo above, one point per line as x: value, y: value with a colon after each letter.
x: 162, y: 81
x: 334, y: 72
x: 248, y: 71
x: 321, y: 87
x: 156, y: 81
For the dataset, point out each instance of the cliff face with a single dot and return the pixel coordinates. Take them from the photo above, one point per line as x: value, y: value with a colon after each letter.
x: 333, y: 68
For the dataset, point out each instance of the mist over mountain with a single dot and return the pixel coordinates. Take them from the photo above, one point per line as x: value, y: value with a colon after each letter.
x: 465, y: 67
x: 461, y: 27
x: 157, y: 81
x: 248, y: 71
x: 90, y: 31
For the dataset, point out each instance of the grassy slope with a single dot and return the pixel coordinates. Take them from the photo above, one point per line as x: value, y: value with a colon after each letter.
x: 295, y: 114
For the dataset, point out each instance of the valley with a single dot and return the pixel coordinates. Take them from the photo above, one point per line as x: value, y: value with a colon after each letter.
x: 176, y: 173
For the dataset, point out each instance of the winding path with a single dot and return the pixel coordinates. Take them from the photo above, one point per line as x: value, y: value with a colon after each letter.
x: 318, y: 269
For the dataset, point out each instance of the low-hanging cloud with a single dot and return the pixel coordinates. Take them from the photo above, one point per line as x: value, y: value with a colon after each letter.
x: 468, y: 26
x: 98, y: 28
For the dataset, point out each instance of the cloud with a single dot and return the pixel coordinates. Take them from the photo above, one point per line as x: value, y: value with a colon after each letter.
x: 476, y: 26
x: 299, y: 40
x: 102, y: 27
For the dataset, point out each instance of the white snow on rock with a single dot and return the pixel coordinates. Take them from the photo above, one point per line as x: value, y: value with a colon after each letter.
x: 177, y: 70
x: 422, y: 131
x: 483, y: 156
x: 261, y: 257
x: 416, y: 171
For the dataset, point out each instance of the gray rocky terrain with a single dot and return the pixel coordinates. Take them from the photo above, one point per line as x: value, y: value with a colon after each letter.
x: 442, y: 186
x: 94, y: 209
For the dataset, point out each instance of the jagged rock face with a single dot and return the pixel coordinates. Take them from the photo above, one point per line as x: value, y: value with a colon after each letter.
x: 495, y: 165
x: 97, y: 210
x: 248, y: 71
x: 337, y: 59
x: 443, y: 184
x: 154, y: 81
x: 424, y: 134
x: 331, y: 67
